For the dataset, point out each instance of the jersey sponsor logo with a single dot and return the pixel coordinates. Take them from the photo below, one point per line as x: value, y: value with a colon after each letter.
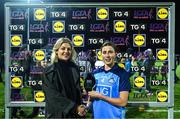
x: 105, y: 90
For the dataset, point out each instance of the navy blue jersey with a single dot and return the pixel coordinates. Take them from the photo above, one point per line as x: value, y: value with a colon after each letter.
x: 110, y: 83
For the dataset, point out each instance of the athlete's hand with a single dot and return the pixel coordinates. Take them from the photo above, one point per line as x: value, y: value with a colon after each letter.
x: 94, y: 94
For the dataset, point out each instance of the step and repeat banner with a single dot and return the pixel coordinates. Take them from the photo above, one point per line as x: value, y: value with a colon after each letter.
x: 141, y: 34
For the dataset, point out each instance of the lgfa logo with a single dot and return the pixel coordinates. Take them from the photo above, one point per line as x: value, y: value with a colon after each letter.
x: 78, y: 40
x: 162, y: 13
x: 119, y: 26
x: 16, y: 40
x: 58, y: 26
x: 39, y: 14
x: 102, y: 13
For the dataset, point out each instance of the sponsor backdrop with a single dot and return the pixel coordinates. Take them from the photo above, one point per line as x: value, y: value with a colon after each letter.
x: 140, y: 33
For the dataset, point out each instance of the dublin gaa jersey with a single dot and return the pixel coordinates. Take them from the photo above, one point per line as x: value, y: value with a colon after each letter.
x: 110, y: 83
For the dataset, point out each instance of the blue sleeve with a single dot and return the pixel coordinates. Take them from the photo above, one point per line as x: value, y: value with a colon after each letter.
x: 124, y: 83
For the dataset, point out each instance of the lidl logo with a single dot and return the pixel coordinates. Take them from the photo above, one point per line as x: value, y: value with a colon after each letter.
x: 16, y: 82
x: 119, y: 26
x: 139, y: 82
x: 78, y: 40
x: 16, y: 40
x: 39, y: 14
x: 162, y: 96
x: 162, y: 13
x: 102, y: 13
x: 58, y: 26
x: 39, y: 54
x: 162, y: 54
x: 39, y: 96
x: 139, y: 40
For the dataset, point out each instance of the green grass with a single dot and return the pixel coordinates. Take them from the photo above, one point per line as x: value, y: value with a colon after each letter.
x: 1, y: 100
x: 178, y: 71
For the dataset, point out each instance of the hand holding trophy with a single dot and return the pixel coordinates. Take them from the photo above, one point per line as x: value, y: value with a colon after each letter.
x: 89, y: 85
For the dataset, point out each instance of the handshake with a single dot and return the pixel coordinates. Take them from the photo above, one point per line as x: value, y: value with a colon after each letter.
x: 83, y: 109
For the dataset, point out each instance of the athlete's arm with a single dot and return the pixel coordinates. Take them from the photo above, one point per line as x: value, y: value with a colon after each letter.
x: 121, y: 101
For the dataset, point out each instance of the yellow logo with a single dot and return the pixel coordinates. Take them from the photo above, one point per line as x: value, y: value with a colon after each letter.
x: 139, y: 40
x: 119, y: 26
x: 16, y: 82
x: 78, y: 40
x: 121, y: 65
x: 16, y: 40
x: 102, y: 14
x: 162, y: 96
x: 162, y: 54
x: 39, y: 96
x: 39, y: 55
x: 40, y: 14
x: 139, y: 82
x: 162, y: 13
x: 99, y: 55
x: 58, y: 26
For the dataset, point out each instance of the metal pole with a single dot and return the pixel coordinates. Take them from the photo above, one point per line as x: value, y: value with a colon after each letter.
x: 171, y: 63
x: 170, y: 113
x: 7, y: 55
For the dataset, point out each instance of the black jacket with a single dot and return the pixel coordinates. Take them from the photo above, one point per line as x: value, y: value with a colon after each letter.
x: 58, y: 105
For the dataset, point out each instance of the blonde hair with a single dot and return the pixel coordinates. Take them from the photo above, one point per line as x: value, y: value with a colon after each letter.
x: 57, y: 45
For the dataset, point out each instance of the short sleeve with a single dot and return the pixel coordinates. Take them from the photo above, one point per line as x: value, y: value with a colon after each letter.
x: 124, y: 83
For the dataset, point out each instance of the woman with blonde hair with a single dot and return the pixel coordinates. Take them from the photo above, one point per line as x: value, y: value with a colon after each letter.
x: 62, y: 83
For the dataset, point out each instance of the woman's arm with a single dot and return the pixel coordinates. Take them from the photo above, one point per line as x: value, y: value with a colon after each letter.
x: 121, y: 101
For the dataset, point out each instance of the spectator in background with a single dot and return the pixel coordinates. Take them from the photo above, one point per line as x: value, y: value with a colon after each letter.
x: 62, y: 83
x: 148, y: 63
